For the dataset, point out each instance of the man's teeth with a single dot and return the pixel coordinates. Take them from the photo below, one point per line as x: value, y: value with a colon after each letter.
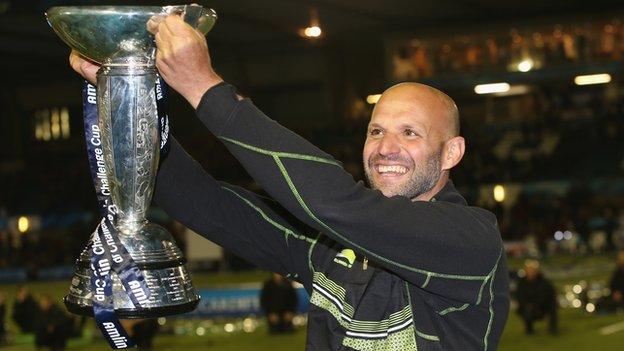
x: 392, y: 169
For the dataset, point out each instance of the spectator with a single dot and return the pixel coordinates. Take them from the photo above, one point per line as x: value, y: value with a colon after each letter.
x: 279, y: 302
x: 2, y: 314
x: 610, y: 227
x: 51, y: 327
x: 536, y: 298
x: 25, y: 310
x: 143, y: 333
x: 615, y: 300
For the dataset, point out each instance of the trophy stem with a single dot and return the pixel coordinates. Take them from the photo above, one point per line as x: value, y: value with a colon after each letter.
x: 129, y: 123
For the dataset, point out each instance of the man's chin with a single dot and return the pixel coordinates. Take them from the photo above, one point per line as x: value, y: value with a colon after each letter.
x: 387, y: 187
x: 389, y: 191
x: 397, y: 189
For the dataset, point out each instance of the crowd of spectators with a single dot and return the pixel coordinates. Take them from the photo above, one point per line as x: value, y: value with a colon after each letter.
x: 534, y: 47
x: 42, y: 317
x: 52, y: 326
x: 573, y: 134
x: 567, y: 135
x: 554, y: 133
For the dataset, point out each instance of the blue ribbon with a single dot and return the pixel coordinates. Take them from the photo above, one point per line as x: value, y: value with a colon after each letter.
x: 102, y: 289
x: 107, y: 251
x: 163, y: 118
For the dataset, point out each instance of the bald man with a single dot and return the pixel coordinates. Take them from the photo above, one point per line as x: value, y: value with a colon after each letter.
x: 406, y: 265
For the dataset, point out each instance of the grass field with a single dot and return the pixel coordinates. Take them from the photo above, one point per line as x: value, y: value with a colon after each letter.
x: 578, y: 331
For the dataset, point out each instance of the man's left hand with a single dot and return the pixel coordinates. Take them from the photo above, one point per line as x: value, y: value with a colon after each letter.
x: 182, y: 58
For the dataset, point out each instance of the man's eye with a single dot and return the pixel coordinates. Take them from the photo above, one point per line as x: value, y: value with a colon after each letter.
x: 410, y: 133
x: 374, y: 132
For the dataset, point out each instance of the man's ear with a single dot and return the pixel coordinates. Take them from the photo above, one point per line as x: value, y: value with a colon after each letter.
x: 453, y: 152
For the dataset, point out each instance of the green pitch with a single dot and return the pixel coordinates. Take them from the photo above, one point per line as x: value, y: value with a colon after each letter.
x: 578, y: 330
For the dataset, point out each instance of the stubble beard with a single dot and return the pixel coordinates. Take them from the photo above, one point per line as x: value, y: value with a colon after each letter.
x: 422, y: 179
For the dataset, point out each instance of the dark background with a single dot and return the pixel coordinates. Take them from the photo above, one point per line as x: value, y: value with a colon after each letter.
x: 319, y: 87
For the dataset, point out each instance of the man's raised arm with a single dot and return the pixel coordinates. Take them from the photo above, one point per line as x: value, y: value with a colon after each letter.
x: 427, y: 243
x: 235, y: 218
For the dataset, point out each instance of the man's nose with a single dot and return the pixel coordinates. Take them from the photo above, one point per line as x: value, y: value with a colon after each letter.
x: 389, y: 145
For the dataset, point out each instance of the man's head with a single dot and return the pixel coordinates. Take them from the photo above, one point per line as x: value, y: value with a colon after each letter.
x: 277, y: 278
x: 46, y: 302
x: 22, y: 292
x: 531, y: 269
x: 412, y: 141
x: 620, y: 258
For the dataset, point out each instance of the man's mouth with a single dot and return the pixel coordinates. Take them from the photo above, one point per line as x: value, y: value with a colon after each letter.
x: 391, y: 170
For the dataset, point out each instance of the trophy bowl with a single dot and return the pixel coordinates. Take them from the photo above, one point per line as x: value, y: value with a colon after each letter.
x: 114, y: 33
x: 118, y: 39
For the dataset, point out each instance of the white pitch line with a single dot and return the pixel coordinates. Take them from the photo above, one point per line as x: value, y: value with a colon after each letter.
x: 613, y: 328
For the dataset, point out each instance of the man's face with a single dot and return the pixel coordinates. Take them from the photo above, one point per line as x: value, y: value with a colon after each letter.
x: 531, y: 272
x: 620, y: 259
x: 403, y: 150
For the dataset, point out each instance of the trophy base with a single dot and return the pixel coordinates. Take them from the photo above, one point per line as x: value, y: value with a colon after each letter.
x: 163, y: 267
x: 154, y: 312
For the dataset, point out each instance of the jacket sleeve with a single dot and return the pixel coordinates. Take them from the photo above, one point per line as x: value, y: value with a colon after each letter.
x: 237, y: 219
x: 426, y: 243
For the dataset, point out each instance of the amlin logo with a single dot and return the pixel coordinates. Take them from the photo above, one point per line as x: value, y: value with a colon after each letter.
x: 115, y: 336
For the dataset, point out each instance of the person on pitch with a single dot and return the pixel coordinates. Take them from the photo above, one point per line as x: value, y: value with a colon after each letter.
x: 403, y: 265
x: 537, y: 298
x: 278, y: 300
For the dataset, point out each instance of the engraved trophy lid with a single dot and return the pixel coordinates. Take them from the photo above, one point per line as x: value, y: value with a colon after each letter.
x: 118, y: 34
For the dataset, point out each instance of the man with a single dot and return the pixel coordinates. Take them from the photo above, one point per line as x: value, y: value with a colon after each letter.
x: 616, y: 284
x: 25, y: 310
x: 51, y: 327
x: 2, y: 321
x: 536, y: 298
x: 404, y: 266
x: 143, y: 332
x: 615, y: 300
x: 278, y: 300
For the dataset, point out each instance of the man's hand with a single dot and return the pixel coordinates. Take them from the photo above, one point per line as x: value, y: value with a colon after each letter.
x: 182, y: 58
x: 87, y: 69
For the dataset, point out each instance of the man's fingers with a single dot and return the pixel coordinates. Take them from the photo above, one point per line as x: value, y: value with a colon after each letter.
x: 159, y: 40
x: 153, y: 24
x: 86, y: 68
x: 176, y: 25
x: 162, y: 66
x: 200, y: 36
x: 160, y: 63
x: 162, y: 43
x: 165, y: 33
x: 164, y: 51
x: 89, y: 69
x: 74, y: 60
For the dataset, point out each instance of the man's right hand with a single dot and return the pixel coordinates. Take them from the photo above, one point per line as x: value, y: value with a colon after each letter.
x: 85, y: 68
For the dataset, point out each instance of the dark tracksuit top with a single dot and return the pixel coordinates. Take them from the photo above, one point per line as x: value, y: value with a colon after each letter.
x: 382, y: 273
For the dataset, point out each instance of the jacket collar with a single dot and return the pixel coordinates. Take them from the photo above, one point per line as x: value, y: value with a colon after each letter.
x: 449, y: 194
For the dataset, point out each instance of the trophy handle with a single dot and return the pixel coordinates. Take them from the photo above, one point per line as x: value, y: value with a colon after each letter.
x: 192, y: 13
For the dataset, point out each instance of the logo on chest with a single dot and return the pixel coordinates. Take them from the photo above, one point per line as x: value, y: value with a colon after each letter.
x: 345, y: 258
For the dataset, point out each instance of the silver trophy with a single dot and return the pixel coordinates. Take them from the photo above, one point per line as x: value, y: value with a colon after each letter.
x: 118, y: 39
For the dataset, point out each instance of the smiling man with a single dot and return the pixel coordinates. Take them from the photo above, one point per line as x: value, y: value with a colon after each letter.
x: 407, y: 265
x: 412, y: 142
